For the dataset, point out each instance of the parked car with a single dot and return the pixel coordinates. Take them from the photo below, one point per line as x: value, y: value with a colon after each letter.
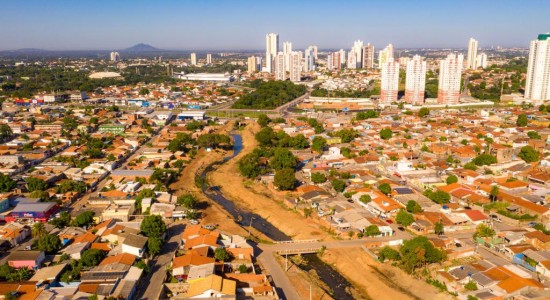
x: 401, y: 228
x: 194, y: 222
x: 532, y: 224
x: 389, y: 221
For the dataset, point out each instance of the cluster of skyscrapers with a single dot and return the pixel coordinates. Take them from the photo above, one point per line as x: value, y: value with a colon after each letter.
x: 289, y: 64
x: 193, y: 59
x: 285, y: 64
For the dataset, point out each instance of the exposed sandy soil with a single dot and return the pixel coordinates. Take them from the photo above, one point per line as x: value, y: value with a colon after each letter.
x: 214, y: 213
x: 258, y: 198
x: 379, y: 281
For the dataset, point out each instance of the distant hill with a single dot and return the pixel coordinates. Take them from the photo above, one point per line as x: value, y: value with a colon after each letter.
x: 141, y: 48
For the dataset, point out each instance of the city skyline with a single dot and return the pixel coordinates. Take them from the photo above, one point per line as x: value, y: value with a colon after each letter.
x: 236, y: 26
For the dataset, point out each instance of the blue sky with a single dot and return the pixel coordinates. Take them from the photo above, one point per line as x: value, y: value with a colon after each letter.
x: 217, y: 24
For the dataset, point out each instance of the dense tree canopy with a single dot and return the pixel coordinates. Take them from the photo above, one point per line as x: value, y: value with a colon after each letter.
x: 270, y: 94
x: 285, y: 179
x: 6, y: 183
x: 528, y: 154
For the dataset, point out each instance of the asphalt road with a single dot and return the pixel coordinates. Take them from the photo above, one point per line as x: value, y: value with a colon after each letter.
x: 151, y: 287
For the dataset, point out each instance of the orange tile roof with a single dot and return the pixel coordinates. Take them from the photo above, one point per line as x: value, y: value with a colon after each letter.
x: 194, y: 230
x: 538, y: 236
x: 101, y: 246
x: 87, y: 237
x: 122, y: 258
x: 210, y: 240
x: 191, y: 259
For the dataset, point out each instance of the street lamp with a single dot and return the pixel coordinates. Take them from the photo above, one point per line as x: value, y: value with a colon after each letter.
x: 250, y: 225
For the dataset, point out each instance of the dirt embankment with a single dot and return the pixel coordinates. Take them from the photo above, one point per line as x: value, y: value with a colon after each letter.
x: 379, y: 281
x: 256, y: 197
x: 213, y: 213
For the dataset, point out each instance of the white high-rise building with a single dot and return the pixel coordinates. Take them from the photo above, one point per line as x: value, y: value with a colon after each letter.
x: 358, y: 51
x: 342, y: 53
x: 368, y: 56
x: 309, y: 61
x: 295, y: 65
x: 390, y: 82
x: 287, y: 51
x: 208, y: 58
x: 537, y: 85
x: 115, y: 56
x: 330, y: 61
x: 385, y: 55
x: 471, y: 62
x: 450, y: 73
x: 279, y: 67
x: 415, y: 82
x: 481, y: 61
x: 352, y: 60
x: 287, y: 47
x: 271, y: 49
x: 315, y: 51
x: 193, y: 59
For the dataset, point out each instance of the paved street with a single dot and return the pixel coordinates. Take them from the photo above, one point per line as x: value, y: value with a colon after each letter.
x: 150, y: 287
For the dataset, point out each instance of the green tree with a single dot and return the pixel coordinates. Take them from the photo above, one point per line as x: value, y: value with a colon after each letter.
x: 42, y: 195
x: 285, y: 179
x: 250, y: 165
x: 6, y: 183
x: 36, y: 184
x: 188, y: 201
x: 404, y: 218
x: 452, y: 179
x: 299, y: 142
x: 494, y: 193
x: 347, y: 135
x: 5, y: 131
x: 418, y: 252
x: 92, y: 257
x: 265, y: 136
x: 438, y: 228
x: 528, y: 154
x: 439, y: 197
x: 283, y: 159
x: 533, y: 135
x: 263, y: 120
x: 483, y: 230
x: 222, y: 254
x: 85, y: 218
x: 470, y: 166
x: 62, y: 221
x: 154, y: 245
x: 424, y: 111
x: 49, y: 243
x: 388, y: 253
x: 385, y: 188
x: 318, y: 178
x: 144, y: 91
x: 338, y: 185
x: 471, y: 286
x: 522, y: 120
x: 386, y: 134
x: 484, y: 160
x: 413, y: 207
x: 38, y: 230
x: 153, y: 226
x: 318, y: 144
x: 365, y: 198
x: 372, y: 230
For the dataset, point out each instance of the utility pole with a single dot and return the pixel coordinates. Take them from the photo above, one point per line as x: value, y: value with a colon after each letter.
x: 286, y: 262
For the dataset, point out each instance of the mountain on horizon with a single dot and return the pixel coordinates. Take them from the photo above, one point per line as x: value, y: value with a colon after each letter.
x: 141, y: 48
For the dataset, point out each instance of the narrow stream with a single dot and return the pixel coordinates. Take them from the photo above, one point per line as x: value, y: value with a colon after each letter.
x: 242, y: 216
x: 338, y: 284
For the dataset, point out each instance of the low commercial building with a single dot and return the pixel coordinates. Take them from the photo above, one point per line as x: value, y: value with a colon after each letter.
x: 219, y: 77
x: 191, y: 115
x: 38, y: 212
